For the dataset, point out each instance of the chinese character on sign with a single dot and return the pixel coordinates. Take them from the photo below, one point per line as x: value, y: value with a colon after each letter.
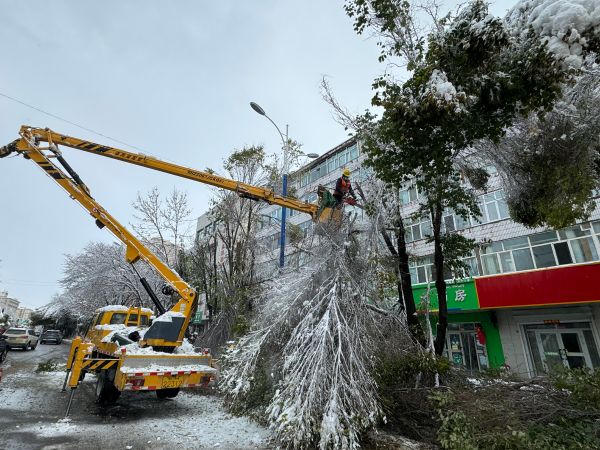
x: 460, y: 295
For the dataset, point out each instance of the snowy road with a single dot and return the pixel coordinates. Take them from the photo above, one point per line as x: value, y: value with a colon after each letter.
x: 31, y: 406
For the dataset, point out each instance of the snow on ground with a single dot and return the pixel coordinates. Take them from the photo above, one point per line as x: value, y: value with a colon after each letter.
x: 201, y: 422
x: 139, y: 420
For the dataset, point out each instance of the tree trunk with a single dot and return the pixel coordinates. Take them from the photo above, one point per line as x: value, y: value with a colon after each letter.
x: 440, y: 283
x: 404, y: 283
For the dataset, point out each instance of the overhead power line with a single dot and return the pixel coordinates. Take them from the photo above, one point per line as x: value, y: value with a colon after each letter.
x: 68, y: 121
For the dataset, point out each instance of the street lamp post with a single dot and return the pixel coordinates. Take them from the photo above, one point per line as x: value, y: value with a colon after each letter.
x: 285, y: 141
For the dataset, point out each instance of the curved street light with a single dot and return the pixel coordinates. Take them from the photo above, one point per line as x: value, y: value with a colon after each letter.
x: 285, y: 141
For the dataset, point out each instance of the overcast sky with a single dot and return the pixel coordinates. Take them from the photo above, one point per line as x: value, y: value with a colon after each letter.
x: 172, y: 78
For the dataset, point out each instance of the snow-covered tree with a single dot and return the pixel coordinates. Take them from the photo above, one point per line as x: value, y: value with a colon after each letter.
x: 229, y: 277
x: 99, y: 275
x: 469, y: 79
x: 311, y: 354
x: 551, y: 165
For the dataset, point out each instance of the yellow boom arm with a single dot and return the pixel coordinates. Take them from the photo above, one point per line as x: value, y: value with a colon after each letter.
x: 28, y: 146
x: 243, y: 189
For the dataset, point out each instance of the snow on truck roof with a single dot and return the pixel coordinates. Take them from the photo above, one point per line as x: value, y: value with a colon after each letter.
x: 168, y: 316
x: 121, y: 308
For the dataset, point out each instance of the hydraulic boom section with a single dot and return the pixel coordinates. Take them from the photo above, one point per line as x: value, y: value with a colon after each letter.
x: 163, y: 334
x: 244, y: 190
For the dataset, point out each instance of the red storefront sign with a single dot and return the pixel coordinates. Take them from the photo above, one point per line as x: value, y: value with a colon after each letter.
x: 552, y: 286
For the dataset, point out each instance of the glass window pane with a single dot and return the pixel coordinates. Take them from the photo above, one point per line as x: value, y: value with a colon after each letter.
x: 584, y: 250
x: 330, y: 164
x: 544, y: 256
x: 416, y: 231
x: 492, y: 248
x: 404, y: 197
x: 518, y: 242
x: 542, y: 238
x: 503, y: 209
x: 488, y: 198
x: 472, y: 270
x: 461, y: 223
x: 535, y: 352
x: 449, y: 223
x: 492, y: 212
x: 592, y: 349
x: 490, y: 264
x: 573, y: 232
x: 426, y: 229
x: 421, y: 275
x: 353, y: 152
x: 562, y: 253
x: 412, y: 194
x: 506, y: 262
x: 118, y: 319
x: 413, y: 275
x: 429, y: 270
x: 523, y: 259
x: 596, y: 226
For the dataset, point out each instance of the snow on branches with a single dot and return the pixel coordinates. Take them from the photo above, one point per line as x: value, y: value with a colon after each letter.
x: 99, y: 275
x: 313, y: 348
x: 567, y: 26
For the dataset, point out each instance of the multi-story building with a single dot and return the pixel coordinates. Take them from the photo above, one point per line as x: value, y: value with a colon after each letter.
x: 324, y: 170
x: 23, y: 316
x: 529, y: 299
x: 206, y: 228
x: 8, y: 305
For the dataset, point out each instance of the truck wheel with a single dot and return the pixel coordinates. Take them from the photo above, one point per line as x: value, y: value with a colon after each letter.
x: 106, y: 392
x: 167, y: 393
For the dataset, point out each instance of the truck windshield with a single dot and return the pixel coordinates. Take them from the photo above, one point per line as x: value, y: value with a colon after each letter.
x: 118, y: 318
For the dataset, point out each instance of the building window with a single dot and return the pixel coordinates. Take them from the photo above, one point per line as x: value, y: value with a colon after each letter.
x: 546, y: 249
x: 334, y: 162
x: 453, y: 222
x: 415, y: 231
x: 421, y: 271
x: 408, y: 195
x: 493, y: 207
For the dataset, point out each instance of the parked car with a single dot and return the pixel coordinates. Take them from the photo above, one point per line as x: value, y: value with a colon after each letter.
x: 3, y: 348
x: 53, y: 336
x: 21, y: 337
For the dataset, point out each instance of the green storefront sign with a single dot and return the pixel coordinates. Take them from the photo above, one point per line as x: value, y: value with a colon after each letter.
x: 197, y: 319
x: 463, y: 307
x: 460, y: 296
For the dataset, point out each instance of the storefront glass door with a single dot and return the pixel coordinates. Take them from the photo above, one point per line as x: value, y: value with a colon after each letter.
x: 464, y: 349
x: 557, y: 346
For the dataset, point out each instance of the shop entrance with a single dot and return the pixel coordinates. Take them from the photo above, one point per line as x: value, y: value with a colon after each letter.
x: 558, y: 346
x: 464, y: 347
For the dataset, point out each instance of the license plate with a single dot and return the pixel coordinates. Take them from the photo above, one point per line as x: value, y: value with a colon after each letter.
x: 171, y: 382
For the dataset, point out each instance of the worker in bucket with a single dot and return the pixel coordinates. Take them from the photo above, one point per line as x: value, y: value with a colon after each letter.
x: 343, y: 189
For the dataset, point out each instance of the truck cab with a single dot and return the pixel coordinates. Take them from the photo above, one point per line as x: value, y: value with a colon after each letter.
x: 117, y: 319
